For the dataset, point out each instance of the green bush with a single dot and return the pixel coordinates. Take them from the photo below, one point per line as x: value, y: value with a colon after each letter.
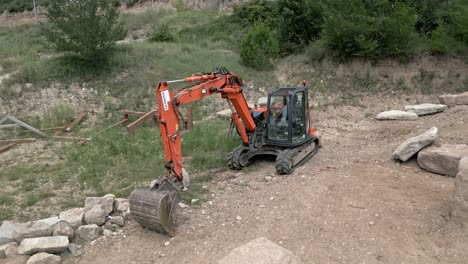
x: 162, y: 34
x: 258, y: 46
x: 86, y: 28
x: 298, y: 22
x: 452, y: 34
x: 370, y: 29
x: 258, y: 10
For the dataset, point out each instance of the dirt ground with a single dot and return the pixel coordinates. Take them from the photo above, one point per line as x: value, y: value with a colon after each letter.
x: 350, y: 204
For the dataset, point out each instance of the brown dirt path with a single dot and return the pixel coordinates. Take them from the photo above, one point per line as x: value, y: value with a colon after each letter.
x: 349, y: 204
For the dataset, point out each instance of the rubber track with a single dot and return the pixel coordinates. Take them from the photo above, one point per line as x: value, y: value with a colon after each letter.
x: 284, y: 158
x: 233, y: 158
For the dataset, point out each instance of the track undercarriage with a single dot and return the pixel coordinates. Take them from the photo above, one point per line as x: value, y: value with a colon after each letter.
x: 287, y: 159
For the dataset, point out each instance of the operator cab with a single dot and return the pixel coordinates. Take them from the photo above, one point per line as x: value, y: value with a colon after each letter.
x: 287, y: 117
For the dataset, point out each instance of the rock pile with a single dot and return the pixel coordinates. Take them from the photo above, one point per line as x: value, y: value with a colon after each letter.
x: 46, y: 237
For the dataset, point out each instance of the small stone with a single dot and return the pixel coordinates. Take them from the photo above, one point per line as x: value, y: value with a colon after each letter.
x: 118, y: 220
x: 182, y: 205
x: 194, y: 201
x: 239, y: 218
x: 95, y: 215
x: 8, y: 250
x: 63, y: 229
x: 268, y: 178
x: 106, y: 203
x: 74, y: 249
x: 6, y: 232
x: 272, y: 198
x: 121, y: 205
x: 167, y: 243
x: 44, y: 258
x: 30, y: 230
x: 88, y: 232
x: 110, y: 226
x: 210, y: 203
x: 55, y: 244
x: 73, y: 216
x: 107, y: 233
x: 51, y: 221
x: 371, y: 223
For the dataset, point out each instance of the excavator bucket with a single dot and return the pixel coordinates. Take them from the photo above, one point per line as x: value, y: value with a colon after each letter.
x: 153, y: 209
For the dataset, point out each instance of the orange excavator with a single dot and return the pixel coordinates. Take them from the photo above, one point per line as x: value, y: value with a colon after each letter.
x: 281, y: 128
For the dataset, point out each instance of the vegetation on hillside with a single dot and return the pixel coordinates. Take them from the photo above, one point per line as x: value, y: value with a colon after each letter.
x: 360, y: 28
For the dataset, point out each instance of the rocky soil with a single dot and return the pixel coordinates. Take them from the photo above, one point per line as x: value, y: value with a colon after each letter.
x: 350, y: 204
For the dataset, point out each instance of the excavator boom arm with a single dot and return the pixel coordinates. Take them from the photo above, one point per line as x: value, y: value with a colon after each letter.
x: 171, y: 122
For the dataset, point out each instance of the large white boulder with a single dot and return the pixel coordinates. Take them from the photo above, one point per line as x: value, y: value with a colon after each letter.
x: 426, y: 109
x: 412, y: 145
x: 396, y: 115
x: 260, y: 251
x: 53, y: 244
x: 452, y: 100
x: 442, y: 160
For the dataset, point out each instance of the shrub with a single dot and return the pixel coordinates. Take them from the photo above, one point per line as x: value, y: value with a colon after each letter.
x: 258, y: 46
x: 452, y: 34
x: 87, y: 28
x: 370, y: 29
x: 299, y: 22
x: 258, y: 10
x: 162, y: 34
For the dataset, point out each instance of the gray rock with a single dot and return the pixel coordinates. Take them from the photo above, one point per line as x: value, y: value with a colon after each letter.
x: 260, y: 251
x: 56, y: 244
x: 44, y: 258
x: 412, y: 145
x: 106, y: 202
x: 110, y: 226
x: 118, y: 220
x: 452, y: 100
x: 30, y: 230
x: 95, y: 215
x: 107, y: 233
x: 442, y: 160
x: 88, y: 232
x: 121, y: 205
x: 63, y: 229
x: 426, y: 109
x: 397, y: 115
x: 6, y: 232
x: 461, y: 185
x: 74, y: 249
x: 73, y: 216
x: 51, y: 221
x: 8, y: 250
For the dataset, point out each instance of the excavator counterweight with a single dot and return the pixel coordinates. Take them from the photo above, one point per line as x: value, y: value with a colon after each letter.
x: 282, y: 128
